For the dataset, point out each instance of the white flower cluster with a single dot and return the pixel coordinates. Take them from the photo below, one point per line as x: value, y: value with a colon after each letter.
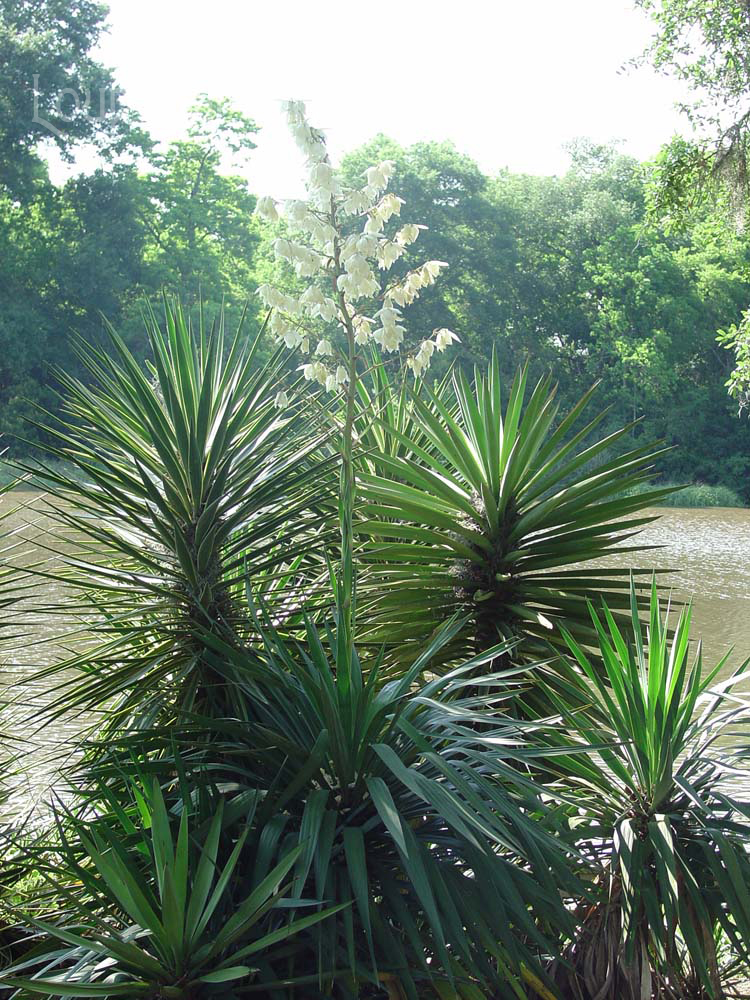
x: 326, y: 251
x: 420, y: 362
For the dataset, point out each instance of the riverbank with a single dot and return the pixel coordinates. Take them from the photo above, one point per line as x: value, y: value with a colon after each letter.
x: 695, y: 495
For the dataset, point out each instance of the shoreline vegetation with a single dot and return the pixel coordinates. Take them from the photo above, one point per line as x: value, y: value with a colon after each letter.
x: 694, y: 495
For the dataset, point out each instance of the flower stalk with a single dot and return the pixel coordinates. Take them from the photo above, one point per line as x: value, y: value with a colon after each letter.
x: 347, y: 576
x: 344, y: 306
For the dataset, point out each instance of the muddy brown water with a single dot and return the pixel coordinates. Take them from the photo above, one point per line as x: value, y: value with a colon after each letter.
x: 709, y: 552
x: 708, y: 549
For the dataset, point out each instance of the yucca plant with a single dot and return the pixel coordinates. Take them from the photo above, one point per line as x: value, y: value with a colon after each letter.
x: 656, y: 810
x: 151, y: 909
x: 386, y: 422
x: 187, y: 486
x: 403, y: 806
x: 474, y: 509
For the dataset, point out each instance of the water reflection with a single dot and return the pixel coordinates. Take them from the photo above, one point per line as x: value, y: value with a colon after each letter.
x: 35, y: 638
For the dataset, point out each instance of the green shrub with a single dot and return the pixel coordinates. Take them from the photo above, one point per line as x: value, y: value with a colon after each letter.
x: 395, y: 791
x: 313, y: 627
x: 205, y: 523
x: 176, y: 490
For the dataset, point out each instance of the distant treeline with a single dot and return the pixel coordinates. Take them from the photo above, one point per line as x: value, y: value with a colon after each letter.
x: 569, y: 272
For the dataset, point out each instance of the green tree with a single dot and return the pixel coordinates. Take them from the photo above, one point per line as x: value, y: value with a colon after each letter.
x: 52, y: 89
x: 572, y: 274
x: 705, y: 44
x: 67, y: 256
x: 198, y: 218
x: 108, y: 242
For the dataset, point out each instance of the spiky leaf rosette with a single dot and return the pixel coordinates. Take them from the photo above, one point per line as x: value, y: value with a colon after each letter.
x: 657, y: 809
x: 472, y: 509
x: 157, y: 905
x: 411, y: 800
x: 188, y: 486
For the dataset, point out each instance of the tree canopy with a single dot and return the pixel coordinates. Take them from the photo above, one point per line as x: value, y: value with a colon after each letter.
x: 576, y: 274
x: 52, y: 89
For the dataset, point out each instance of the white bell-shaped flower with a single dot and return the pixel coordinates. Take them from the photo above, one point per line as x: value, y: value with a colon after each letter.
x: 356, y: 202
x: 265, y: 208
x: 408, y: 234
x: 444, y: 338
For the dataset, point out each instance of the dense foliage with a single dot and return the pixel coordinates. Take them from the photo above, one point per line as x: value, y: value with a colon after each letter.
x: 271, y: 805
x: 569, y: 272
x: 704, y: 44
x: 360, y: 717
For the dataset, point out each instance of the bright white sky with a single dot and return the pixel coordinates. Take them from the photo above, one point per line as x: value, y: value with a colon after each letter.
x: 509, y: 81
